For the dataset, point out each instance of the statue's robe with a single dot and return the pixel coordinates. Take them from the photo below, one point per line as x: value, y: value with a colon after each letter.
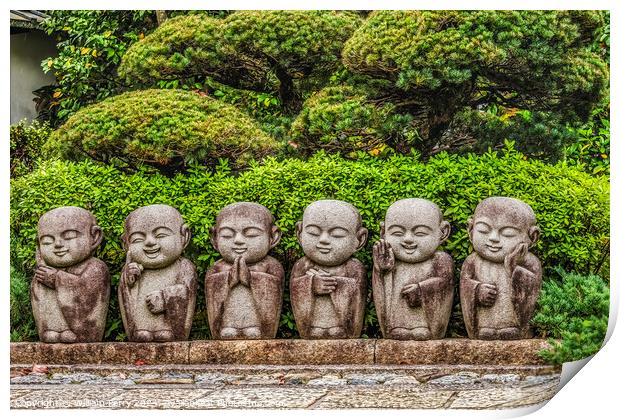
x: 435, y: 278
x: 77, y: 300
x: 348, y: 299
x: 261, y: 299
x: 177, y: 284
x: 516, y: 297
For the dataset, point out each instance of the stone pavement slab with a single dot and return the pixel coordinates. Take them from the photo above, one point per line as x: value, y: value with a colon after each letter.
x: 275, y: 387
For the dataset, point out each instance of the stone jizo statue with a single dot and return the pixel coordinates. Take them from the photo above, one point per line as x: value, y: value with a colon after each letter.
x: 413, y: 282
x: 70, y: 290
x: 244, y: 289
x: 501, y: 279
x: 328, y: 286
x: 157, y: 290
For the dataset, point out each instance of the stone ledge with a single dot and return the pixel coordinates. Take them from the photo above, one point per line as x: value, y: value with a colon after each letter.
x: 286, y: 352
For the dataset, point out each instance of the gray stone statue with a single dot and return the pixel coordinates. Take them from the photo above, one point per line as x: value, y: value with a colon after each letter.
x: 413, y: 283
x: 244, y: 289
x: 70, y: 291
x: 157, y: 290
x: 501, y: 279
x: 328, y: 286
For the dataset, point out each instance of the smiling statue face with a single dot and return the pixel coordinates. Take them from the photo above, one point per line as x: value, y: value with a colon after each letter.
x: 329, y: 232
x: 499, y: 225
x: 153, y: 236
x: 413, y: 228
x: 65, y: 237
x: 245, y: 230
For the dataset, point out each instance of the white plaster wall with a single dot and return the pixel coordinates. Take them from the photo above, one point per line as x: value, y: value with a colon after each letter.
x: 27, y: 51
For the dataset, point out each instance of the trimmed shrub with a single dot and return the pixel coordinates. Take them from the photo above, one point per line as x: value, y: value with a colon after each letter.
x: 26, y: 142
x: 575, y: 309
x: 438, y: 62
x: 572, y: 207
x: 282, y: 51
x: 536, y: 134
x: 167, y: 129
x: 342, y: 120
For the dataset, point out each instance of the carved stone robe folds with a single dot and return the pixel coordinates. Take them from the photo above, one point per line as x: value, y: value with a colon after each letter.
x: 436, y: 280
x: 77, y: 300
x: 516, y: 297
x: 348, y: 299
x: 263, y: 301
x: 177, y: 284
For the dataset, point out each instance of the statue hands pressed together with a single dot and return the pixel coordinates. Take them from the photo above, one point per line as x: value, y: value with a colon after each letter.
x: 413, y: 284
x: 244, y: 289
x: 157, y: 290
x: 501, y: 279
x: 328, y: 286
x: 71, y: 288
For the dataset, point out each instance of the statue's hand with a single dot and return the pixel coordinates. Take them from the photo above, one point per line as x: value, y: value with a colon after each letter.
x: 131, y: 273
x: 155, y: 302
x: 383, y: 256
x: 243, y: 272
x: 46, y: 275
x: 413, y: 294
x: 322, y: 282
x: 487, y: 294
x: 516, y: 257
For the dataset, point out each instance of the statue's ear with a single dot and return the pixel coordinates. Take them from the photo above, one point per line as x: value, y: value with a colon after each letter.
x: 276, y: 235
x: 96, y: 236
x: 534, y: 234
x: 125, y: 242
x: 213, y: 238
x: 298, y: 229
x: 382, y: 230
x: 38, y: 257
x: 186, y: 234
x: 445, y: 230
x: 470, y: 227
x: 362, y: 236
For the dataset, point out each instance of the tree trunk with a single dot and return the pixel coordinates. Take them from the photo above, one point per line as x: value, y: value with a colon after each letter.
x: 161, y: 16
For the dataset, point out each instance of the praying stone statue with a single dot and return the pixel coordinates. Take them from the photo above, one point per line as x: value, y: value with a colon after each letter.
x: 71, y: 288
x: 157, y: 290
x: 328, y: 286
x: 244, y: 289
x: 501, y: 279
x: 412, y: 282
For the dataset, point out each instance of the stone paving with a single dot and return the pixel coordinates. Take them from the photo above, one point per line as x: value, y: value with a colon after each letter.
x: 280, y: 387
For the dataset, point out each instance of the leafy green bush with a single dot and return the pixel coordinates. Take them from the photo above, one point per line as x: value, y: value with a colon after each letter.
x: 90, y: 46
x: 575, y: 309
x: 593, y: 144
x: 22, y: 322
x: 26, y: 142
x: 264, y: 51
x: 435, y: 63
x: 167, y: 129
x: 572, y: 206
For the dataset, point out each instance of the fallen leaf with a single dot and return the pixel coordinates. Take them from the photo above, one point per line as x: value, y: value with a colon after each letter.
x: 40, y: 369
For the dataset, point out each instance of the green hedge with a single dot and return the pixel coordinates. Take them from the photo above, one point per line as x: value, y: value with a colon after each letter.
x: 167, y: 129
x: 572, y: 206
